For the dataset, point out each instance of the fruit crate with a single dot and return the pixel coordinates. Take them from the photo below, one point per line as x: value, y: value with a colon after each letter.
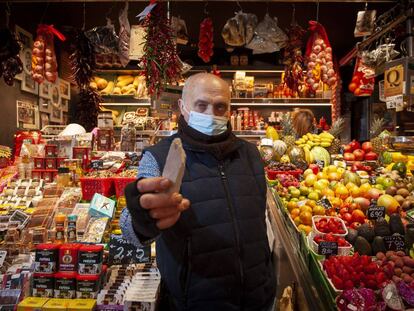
x: 120, y: 183
x: 313, y: 246
x: 333, y: 288
x: 271, y: 174
x: 316, y: 232
x: 90, y: 186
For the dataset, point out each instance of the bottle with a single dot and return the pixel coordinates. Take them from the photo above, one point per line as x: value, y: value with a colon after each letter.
x: 232, y: 123
x: 60, y: 228
x: 71, y: 229
x: 239, y: 122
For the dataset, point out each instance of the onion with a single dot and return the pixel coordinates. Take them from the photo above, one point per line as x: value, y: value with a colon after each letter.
x: 328, y: 49
x: 315, y: 86
x: 324, y: 68
x: 319, y: 41
x: 328, y: 56
x: 324, y: 78
x: 316, y: 49
x: 329, y: 64
x: 331, y: 72
x: 49, y: 59
x: 313, y: 57
x: 38, y: 45
x: 331, y: 80
x: 49, y: 52
x: 310, y: 81
x: 311, y: 65
x: 309, y: 74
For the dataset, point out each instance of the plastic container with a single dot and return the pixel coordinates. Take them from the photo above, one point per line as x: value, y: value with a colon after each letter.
x: 316, y: 232
x: 271, y: 174
x: 90, y: 186
x: 120, y: 184
x: 342, y: 251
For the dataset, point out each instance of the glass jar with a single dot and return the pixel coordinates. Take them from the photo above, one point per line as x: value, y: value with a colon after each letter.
x: 63, y: 178
x: 128, y: 137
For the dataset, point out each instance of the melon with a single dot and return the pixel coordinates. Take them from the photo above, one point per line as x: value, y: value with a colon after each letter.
x: 279, y: 147
x: 321, y: 154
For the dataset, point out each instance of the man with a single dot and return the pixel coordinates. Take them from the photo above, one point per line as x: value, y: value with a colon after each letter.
x: 214, y: 253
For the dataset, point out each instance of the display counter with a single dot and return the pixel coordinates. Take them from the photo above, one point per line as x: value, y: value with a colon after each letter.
x: 295, y: 264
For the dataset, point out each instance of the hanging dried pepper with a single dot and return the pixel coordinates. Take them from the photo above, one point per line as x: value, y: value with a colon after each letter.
x: 10, y: 63
x: 83, y: 65
x: 160, y: 61
x: 205, y: 41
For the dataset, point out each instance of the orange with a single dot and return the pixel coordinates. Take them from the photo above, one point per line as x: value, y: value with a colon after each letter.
x: 291, y: 205
x: 297, y: 221
x: 334, y: 176
x: 305, y: 208
x: 319, y: 210
x: 311, y: 203
x: 341, y: 192
x: 306, y: 218
x: 294, y: 213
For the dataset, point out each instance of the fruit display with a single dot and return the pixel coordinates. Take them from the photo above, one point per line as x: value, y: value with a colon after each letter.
x: 122, y: 85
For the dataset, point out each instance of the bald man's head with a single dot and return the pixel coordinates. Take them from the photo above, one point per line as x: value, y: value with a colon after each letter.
x: 205, y: 93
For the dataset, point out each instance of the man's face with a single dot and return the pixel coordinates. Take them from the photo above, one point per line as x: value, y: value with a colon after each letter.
x: 208, y: 95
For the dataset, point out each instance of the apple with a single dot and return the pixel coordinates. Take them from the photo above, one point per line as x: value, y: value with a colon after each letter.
x: 371, y: 156
x: 374, y: 193
x: 347, y: 217
x: 314, y: 168
x: 359, y: 154
x: 367, y: 146
x: 354, y: 145
x: 347, y: 148
x: 349, y: 156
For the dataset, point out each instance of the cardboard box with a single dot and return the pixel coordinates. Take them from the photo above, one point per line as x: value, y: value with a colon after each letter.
x: 81, y: 305
x: 101, y: 206
x: 32, y: 304
x: 56, y: 304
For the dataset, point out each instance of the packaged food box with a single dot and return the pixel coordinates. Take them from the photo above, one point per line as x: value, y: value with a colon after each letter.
x: 81, y: 305
x: 39, y: 163
x: 55, y: 304
x: 50, y: 163
x: 90, y: 259
x: 87, y: 286
x: 101, y: 206
x: 46, y: 258
x: 65, y: 285
x: 32, y: 304
x: 51, y: 150
x: 43, y: 285
x: 68, y: 257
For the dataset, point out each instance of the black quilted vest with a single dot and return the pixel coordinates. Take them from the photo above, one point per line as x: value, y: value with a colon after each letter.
x: 216, y: 257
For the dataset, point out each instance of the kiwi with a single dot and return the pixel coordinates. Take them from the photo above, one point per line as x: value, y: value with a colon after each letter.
x: 403, y: 192
x: 407, y: 204
x: 391, y: 190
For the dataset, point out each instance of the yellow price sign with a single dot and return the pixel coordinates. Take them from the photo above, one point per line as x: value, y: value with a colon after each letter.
x: 394, y: 81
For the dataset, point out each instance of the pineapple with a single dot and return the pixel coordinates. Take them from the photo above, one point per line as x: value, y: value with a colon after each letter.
x: 336, y: 130
x: 377, y: 142
x: 288, y: 132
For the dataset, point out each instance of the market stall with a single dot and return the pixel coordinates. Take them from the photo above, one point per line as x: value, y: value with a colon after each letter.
x: 84, y: 97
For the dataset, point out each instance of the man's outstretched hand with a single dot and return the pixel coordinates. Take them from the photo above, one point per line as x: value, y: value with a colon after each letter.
x: 162, y: 206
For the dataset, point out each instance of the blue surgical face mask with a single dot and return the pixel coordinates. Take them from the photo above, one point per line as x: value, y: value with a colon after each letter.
x: 207, y: 124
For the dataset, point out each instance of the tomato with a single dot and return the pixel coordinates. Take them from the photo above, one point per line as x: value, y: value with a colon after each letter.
x: 358, y: 216
x: 347, y: 217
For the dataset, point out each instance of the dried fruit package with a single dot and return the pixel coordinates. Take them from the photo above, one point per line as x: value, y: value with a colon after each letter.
x: 268, y: 37
x: 44, y: 64
x: 10, y: 63
x: 104, y: 39
x: 320, y: 66
x: 363, y: 79
x: 365, y: 23
x: 205, y: 41
x: 239, y: 30
x: 124, y: 36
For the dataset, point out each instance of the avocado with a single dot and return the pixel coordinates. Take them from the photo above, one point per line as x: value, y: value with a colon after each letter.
x: 378, y: 245
x: 396, y: 225
x: 382, y: 228
x: 366, y: 232
x: 362, y: 246
x: 351, y: 236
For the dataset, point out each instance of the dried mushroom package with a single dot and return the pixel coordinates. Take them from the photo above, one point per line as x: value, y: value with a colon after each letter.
x: 179, y: 28
x: 104, y: 38
x: 365, y: 23
x: 268, y: 37
x: 239, y: 30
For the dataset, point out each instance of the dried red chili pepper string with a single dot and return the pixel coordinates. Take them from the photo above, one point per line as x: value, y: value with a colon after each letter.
x: 160, y: 61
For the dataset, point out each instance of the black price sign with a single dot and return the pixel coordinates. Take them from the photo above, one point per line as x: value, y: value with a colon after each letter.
x: 373, y: 180
x: 328, y: 248
x: 394, y: 243
x: 96, y: 164
x: 375, y: 212
x: 320, y: 163
x: 122, y: 252
x: 325, y: 203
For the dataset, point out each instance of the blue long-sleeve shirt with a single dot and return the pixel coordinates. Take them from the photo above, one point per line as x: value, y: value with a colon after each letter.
x: 148, y: 167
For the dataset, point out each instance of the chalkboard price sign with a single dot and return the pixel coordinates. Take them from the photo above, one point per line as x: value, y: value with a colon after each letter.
x: 325, y: 203
x: 96, y: 164
x: 394, y: 243
x: 328, y: 248
x: 375, y: 212
x: 123, y: 252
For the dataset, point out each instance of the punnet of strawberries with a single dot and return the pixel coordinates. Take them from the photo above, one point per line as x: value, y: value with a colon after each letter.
x: 330, y: 225
x: 347, y: 272
x: 331, y: 238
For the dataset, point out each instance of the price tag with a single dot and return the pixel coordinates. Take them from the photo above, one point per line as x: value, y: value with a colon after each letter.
x: 325, y: 203
x: 394, y: 243
x: 328, y: 248
x: 375, y: 212
x: 96, y: 164
x: 122, y: 252
x: 3, y: 255
x: 320, y: 163
x: 372, y: 180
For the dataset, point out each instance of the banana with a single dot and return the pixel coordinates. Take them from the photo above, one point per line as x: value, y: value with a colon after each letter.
x: 124, y: 77
x: 307, y: 155
x: 325, y: 144
x: 136, y: 81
